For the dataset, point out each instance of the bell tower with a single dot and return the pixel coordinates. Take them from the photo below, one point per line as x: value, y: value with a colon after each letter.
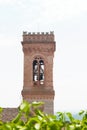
x: 38, y: 51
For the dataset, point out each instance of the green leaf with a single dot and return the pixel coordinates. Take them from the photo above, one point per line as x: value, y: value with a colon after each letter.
x: 81, y: 112
x: 19, y: 127
x: 37, y: 126
x: 53, y: 126
x: 17, y: 118
x: 70, y: 116
x: 25, y: 107
x: 72, y: 127
x: 1, y: 109
x: 37, y: 104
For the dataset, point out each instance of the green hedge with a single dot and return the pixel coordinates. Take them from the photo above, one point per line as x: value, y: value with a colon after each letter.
x: 30, y: 117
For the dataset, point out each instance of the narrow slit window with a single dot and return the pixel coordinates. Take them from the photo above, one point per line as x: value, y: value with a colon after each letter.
x: 35, y: 70
x: 41, y: 74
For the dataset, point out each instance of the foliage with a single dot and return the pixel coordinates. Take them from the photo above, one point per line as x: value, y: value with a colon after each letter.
x: 30, y: 117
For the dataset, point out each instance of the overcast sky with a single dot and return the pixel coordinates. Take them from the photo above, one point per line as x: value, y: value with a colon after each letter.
x: 68, y: 20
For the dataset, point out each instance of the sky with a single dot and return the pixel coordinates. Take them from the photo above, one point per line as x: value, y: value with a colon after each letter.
x: 68, y: 20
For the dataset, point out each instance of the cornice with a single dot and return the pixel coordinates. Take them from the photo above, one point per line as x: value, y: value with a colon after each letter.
x: 38, y: 49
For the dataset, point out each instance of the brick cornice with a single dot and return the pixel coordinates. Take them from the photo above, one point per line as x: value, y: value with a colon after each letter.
x: 37, y: 49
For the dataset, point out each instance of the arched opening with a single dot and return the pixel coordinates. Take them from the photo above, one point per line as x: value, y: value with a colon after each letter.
x: 38, y: 71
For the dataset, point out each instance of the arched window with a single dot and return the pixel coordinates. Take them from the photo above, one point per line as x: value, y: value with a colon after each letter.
x: 38, y: 71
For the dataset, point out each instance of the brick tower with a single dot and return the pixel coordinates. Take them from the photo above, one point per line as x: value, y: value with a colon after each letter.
x: 38, y: 51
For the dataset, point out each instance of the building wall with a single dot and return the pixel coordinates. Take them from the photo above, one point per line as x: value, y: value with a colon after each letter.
x: 9, y: 113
